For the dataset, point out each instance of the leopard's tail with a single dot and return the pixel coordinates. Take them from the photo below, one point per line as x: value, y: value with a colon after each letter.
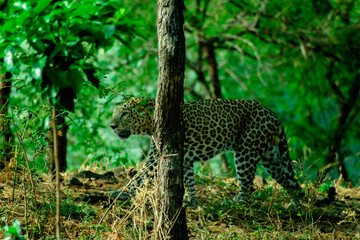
x: 283, y: 146
x: 292, y: 185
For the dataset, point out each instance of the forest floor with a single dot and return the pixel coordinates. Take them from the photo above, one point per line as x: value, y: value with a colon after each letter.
x: 87, y: 212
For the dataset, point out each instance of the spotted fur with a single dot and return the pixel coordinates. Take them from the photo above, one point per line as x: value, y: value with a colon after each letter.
x: 211, y: 127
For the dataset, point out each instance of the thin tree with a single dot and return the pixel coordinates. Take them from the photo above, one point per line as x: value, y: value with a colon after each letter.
x: 57, y: 174
x: 169, y: 134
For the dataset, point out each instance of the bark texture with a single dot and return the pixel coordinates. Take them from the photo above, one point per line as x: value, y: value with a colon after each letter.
x: 168, y: 117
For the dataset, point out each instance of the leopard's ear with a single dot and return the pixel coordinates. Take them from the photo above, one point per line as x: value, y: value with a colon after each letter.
x: 129, y: 102
x: 146, y: 105
x: 137, y: 101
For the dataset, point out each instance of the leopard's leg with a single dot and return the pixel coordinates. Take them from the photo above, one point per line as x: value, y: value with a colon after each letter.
x: 189, y: 183
x: 281, y: 170
x: 291, y: 184
x: 246, y: 161
x: 148, y: 168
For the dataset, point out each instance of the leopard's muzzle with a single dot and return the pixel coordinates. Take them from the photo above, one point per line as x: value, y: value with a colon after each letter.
x: 124, y: 134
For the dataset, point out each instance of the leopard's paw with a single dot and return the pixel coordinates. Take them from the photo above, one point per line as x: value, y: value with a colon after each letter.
x: 123, y: 197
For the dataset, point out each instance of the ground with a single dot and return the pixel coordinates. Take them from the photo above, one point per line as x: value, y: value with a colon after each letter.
x: 87, y: 212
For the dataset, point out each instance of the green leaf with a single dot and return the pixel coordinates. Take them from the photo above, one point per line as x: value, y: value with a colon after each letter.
x: 109, y: 31
x: 5, y: 228
x: 3, y: 15
x: 9, y: 27
x: 324, y: 187
x: 84, y: 10
x: 23, y: 16
x: 37, y: 45
x: 53, y: 94
x: 119, y: 14
x: 3, y: 71
x: 8, y: 59
x: 17, y: 226
x: 13, y: 231
x: 42, y: 4
x: 37, y: 69
x: 21, y: 5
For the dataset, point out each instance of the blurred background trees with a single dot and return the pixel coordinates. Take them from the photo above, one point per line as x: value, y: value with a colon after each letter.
x: 299, y: 58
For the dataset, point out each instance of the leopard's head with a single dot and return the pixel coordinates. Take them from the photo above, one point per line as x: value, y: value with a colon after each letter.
x: 133, y: 117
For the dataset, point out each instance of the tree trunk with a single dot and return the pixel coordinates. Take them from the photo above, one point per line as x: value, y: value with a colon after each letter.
x: 169, y: 134
x: 62, y: 128
x: 7, y: 136
x: 209, y: 51
x: 199, y: 71
x: 347, y: 105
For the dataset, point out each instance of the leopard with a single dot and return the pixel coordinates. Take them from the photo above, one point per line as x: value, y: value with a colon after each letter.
x: 243, y: 126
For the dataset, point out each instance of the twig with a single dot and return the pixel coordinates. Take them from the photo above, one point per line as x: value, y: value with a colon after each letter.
x: 25, y: 198
x: 21, y: 142
x: 15, y: 175
x: 27, y: 163
x: 156, y: 145
x: 57, y: 169
x: 172, y: 222
x: 3, y: 106
x: 126, y: 186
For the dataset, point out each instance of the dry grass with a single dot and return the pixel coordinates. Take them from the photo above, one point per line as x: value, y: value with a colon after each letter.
x: 84, y: 206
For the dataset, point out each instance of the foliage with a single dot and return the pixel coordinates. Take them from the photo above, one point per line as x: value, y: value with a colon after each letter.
x: 14, y: 231
x: 299, y: 58
x: 54, y: 44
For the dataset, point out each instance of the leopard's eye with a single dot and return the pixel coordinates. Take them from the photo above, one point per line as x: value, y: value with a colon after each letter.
x: 123, y: 114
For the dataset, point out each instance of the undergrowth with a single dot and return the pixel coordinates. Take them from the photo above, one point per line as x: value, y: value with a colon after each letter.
x: 27, y: 210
